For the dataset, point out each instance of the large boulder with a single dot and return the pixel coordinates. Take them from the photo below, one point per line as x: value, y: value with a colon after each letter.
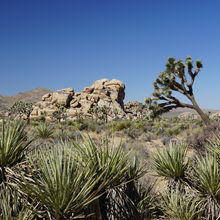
x: 102, y: 93
x: 215, y: 116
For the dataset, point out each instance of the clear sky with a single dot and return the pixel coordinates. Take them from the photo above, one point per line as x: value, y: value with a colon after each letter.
x: 71, y: 43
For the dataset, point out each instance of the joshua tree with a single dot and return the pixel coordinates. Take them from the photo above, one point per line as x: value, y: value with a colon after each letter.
x: 95, y: 111
x: 22, y: 108
x: 141, y: 108
x: 178, y: 77
x: 104, y: 110
x: 60, y: 112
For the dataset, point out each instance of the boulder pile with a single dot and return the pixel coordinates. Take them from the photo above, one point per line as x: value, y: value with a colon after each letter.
x: 188, y: 116
x: 104, y: 93
x: 136, y: 110
x: 215, y: 116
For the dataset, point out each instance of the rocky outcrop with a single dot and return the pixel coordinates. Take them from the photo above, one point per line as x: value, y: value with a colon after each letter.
x: 215, y: 116
x: 135, y: 110
x: 188, y: 116
x: 103, y: 93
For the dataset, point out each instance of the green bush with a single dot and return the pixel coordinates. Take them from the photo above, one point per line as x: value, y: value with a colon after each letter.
x: 174, y: 131
x: 181, y: 206
x: 44, y: 131
x: 120, y: 125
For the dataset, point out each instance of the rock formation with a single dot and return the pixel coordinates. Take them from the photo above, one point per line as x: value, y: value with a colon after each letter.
x: 102, y: 93
x: 215, y: 116
x: 135, y: 110
x: 188, y: 116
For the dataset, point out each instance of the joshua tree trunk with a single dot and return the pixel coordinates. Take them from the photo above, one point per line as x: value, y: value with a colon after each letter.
x: 94, y: 210
x: 204, y: 116
x: 2, y: 175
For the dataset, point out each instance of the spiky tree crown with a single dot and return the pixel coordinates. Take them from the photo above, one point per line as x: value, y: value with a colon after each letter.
x: 178, y: 77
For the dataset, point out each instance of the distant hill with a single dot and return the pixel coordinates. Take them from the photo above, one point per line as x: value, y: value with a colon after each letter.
x: 29, y: 96
x: 176, y: 112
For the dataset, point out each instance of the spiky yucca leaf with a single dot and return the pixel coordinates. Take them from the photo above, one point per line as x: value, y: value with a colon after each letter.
x: 214, y: 146
x: 206, y: 175
x: 115, y: 164
x: 60, y: 183
x: 181, y: 206
x: 206, y: 179
x: 12, y: 205
x: 44, y: 131
x: 13, y: 143
x: 148, y: 204
x: 170, y: 162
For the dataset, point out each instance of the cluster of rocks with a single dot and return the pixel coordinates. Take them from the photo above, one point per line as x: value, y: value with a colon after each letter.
x: 215, y: 116
x: 136, y: 110
x: 102, y: 93
x: 187, y: 116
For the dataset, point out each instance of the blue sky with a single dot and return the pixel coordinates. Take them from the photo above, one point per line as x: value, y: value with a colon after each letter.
x: 71, y: 43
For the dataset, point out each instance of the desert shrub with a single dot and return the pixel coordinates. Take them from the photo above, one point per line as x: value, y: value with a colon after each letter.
x: 148, y: 127
x: 160, y: 131
x: 69, y: 122
x: 205, y: 178
x: 139, y: 124
x: 120, y: 125
x: 14, y: 206
x: 100, y: 129
x: 213, y: 146
x: 60, y: 183
x: 165, y: 140
x: 62, y: 135
x: 148, y: 136
x: 44, y: 131
x: 133, y: 132
x: 174, y: 130
x: 34, y: 122
x: 170, y: 163
x: 174, y: 119
x: 92, y: 126
x: 67, y: 135
x: 182, y: 206
x: 13, y: 143
x: 199, y: 140
x: 118, y: 168
x: 148, y: 201
x: 86, y: 124
x: 81, y: 124
x: 133, y: 201
x: 199, y: 122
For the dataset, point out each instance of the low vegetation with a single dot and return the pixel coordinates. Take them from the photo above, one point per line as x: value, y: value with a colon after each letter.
x: 56, y: 171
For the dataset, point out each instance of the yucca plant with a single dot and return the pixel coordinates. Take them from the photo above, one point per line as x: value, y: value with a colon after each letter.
x: 13, y: 206
x: 116, y: 164
x: 148, y: 201
x: 44, y: 131
x: 206, y: 179
x: 59, y: 182
x: 13, y: 143
x: 213, y: 146
x: 179, y: 206
x: 118, y: 169
x: 171, y: 164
